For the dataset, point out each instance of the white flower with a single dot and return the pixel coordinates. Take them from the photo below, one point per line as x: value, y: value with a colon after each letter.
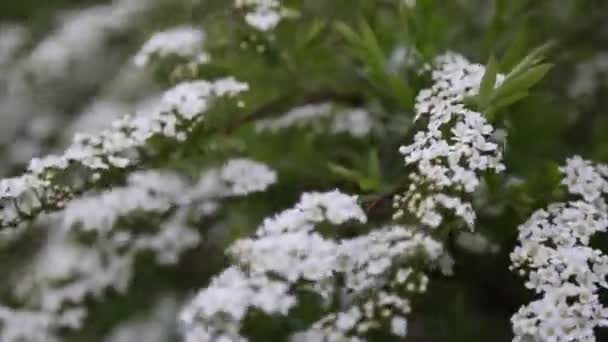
x: 157, y: 326
x: 263, y: 15
x: 299, y: 116
x: 589, y: 75
x: 181, y: 41
x: 68, y: 271
x: 356, y: 122
x: 448, y: 162
x: 12, y: 38
x: 180, y: 109
x: 562, y: 268
x: 582, y: 178
x: 245, y: 176
x: 476, y: 243
x: 226, y: 301
x: 287, y: 249
x: 399, y: 326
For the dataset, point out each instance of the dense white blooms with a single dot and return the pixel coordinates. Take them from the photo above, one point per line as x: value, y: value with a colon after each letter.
x: 455, y: 147
x: 181, y: 108
x: 98, y: 116
x: 158, y: 326
x: 476, y: 243
x: 69, y: 271
x: 589, y: 76
x: 152, y: 191
x: 402, y: 58
x: 216, y: 313
x: 288, y: 250
x: 562, y: 267
x: 410, y: 3
x: 384, y: 309
x: 183, y: 41
x: 244, y: 176
x: 585, y: 179
x: 82, y: 55
x: 355, y: 121
x: 12, y: 38
x: 81, y: 35
x: 263, y: 15
x: 25, y: 325
x: 300, y: 116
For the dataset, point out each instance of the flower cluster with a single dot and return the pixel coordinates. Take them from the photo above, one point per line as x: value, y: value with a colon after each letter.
x: 71, y: 268
x: 589, y: 76
x: 377, y: 280
x: 288, y: 251
x: 57, y: 68
x: 456, y: 146
x: 562, y: 267
x: 476, y: 243
x: 53, y: 180
x: 81, y: 35
x: 263, y: 15
x: 356, y: 122
x: 183, y: 41
x: 157, y: 326
x: 13, y: 37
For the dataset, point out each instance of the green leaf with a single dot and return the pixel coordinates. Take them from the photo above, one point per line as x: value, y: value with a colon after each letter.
x: 367, y: 48
x: 348, y: 33
x: 521, y: 82
x: 374, y: 164
x: 348, y: 174
x: 504, y: 102
x: 509, y: 100
x: 488, y: 81
x: 515, y: 51
x: 312, y: 33
x: 368, y: 184
x: 533, y: 58
x: 375, y: 53
x: 365, y: 183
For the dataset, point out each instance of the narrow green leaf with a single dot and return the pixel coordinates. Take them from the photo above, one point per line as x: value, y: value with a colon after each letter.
x: 345, y: 173
x: 403, y: 92
x: 313, y: 32
x: 368, y: 184
x: 487, y: 82
x: 521, y: 82
x: 536, y: 56
x: 509, y: 100
x: 374, y: 164
x: 348, y: 33
x: 371, y: 44
x: 515, y: 51
x: 504, y: 102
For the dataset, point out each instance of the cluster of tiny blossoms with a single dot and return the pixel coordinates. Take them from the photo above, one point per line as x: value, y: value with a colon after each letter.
x: 288, y: 252
x: 356, y: 122
x: 51, y: 181
x: 57, y: 68
x: 156, y: 326
x: 589, y: 76
x: 456, y: 146
x: 70, y: 270
x: 263, y: 15
x: 184, y: 41
x: 562, y: 268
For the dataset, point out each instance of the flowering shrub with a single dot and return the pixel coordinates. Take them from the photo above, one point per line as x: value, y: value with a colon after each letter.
x: 275, y: 170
